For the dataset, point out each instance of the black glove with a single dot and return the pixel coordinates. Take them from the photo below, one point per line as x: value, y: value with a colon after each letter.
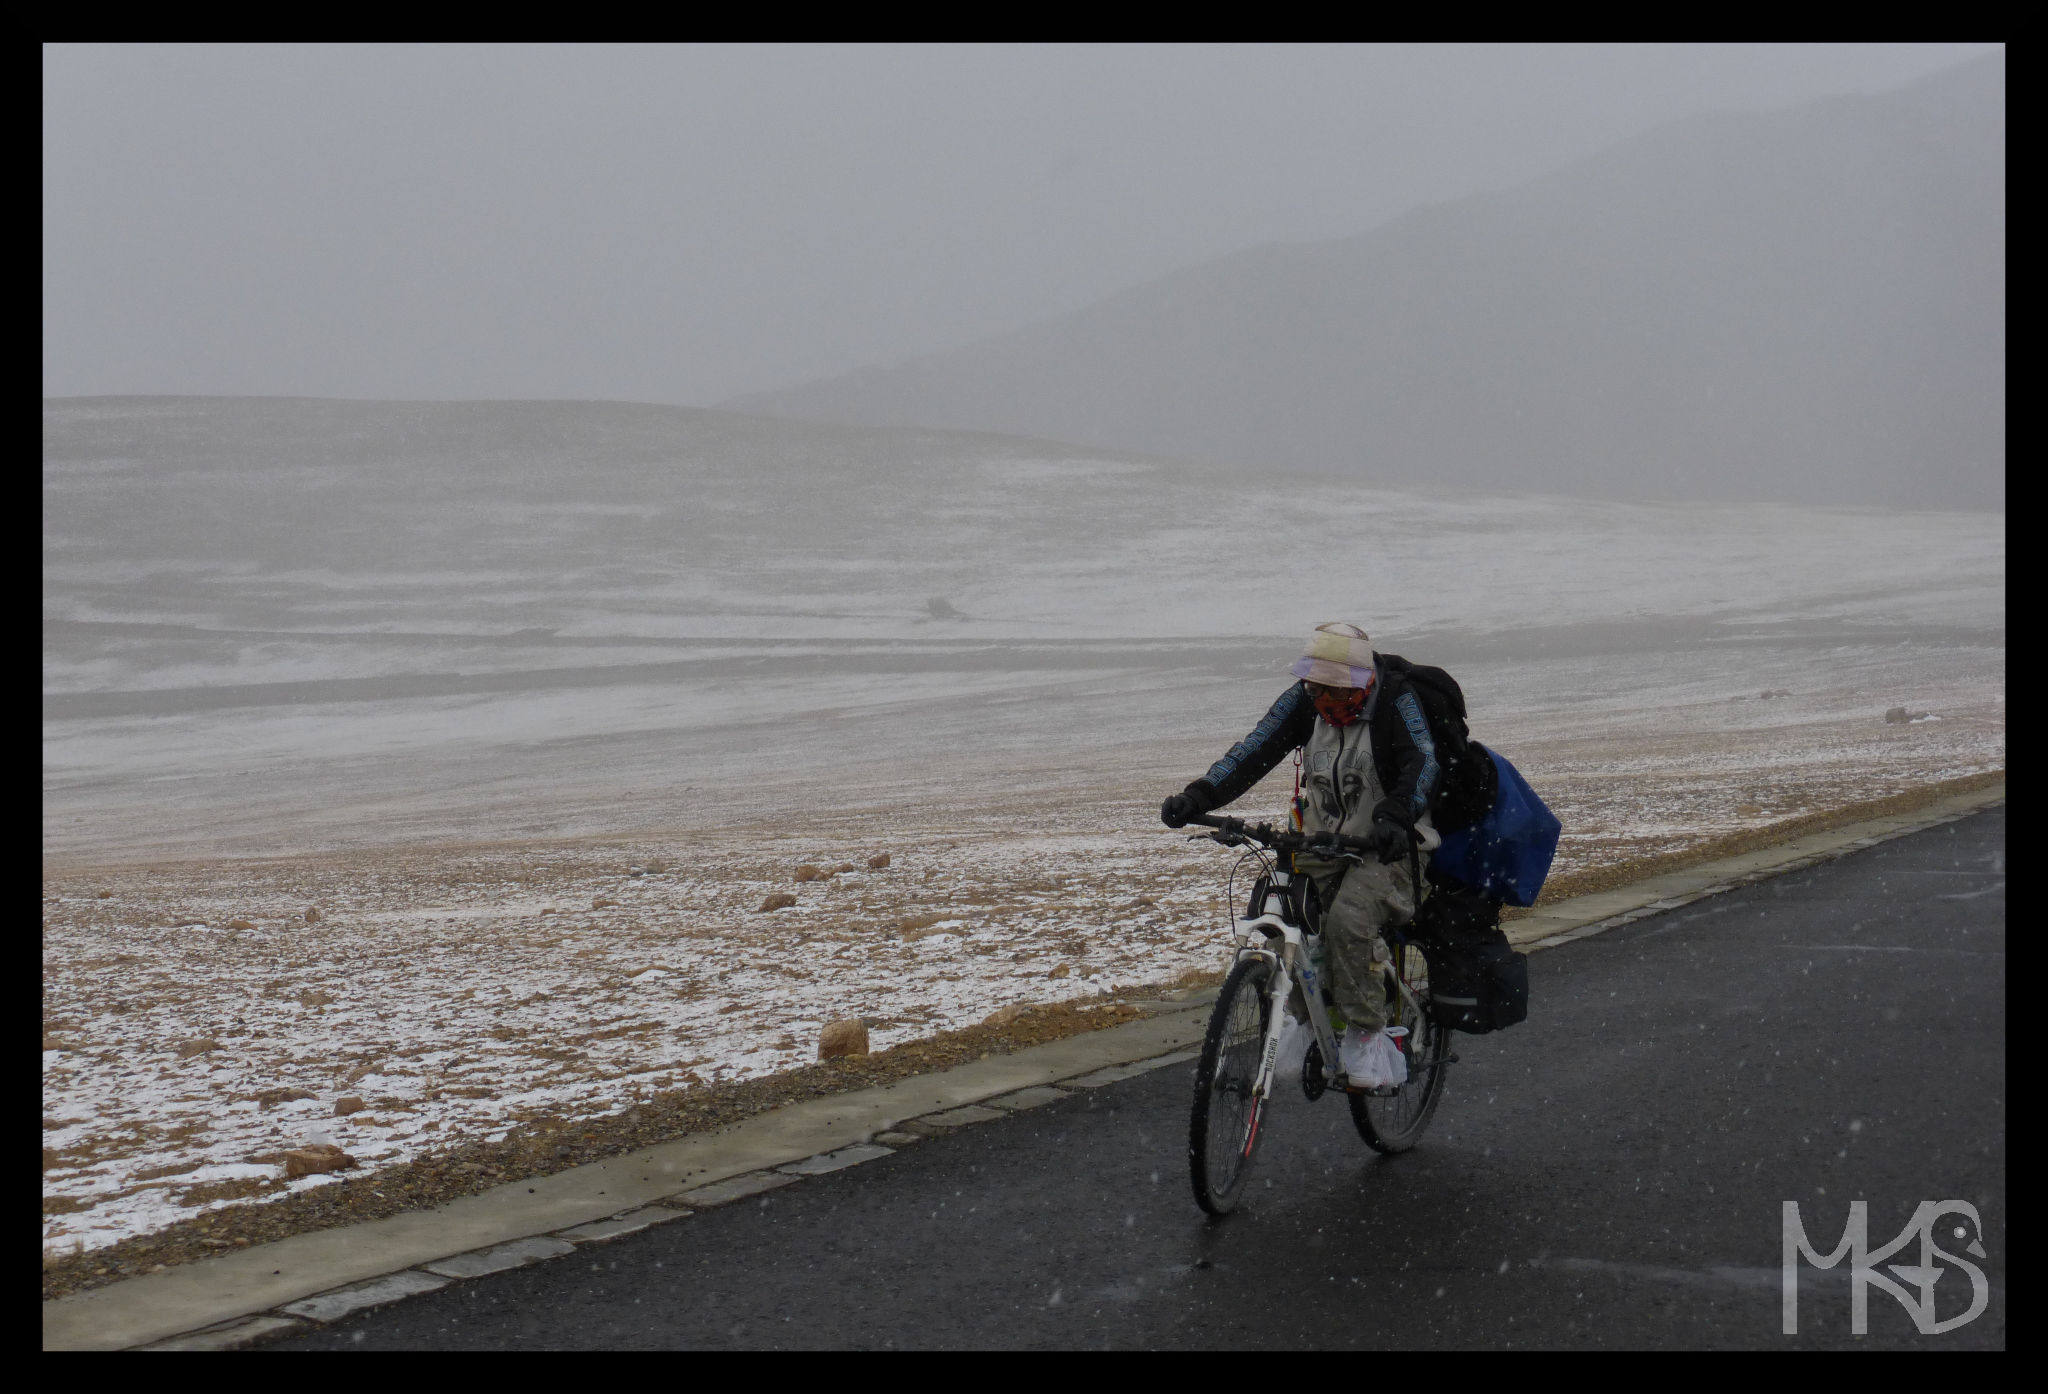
x: 1396, y: 811
x: 1390, y: 840
x: 1198, y: 797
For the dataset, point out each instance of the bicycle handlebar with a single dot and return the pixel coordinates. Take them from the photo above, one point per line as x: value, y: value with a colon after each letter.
x: 1284, y: 839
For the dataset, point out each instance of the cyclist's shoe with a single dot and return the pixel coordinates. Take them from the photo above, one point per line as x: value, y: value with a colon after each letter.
x: 1371, y: 1060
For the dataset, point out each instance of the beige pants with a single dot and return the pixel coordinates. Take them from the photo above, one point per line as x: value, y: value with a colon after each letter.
x: 1357, y: 900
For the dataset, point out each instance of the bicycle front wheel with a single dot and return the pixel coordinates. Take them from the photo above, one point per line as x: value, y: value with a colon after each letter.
x: 1223, y: 1130
x: 1395, y: 1123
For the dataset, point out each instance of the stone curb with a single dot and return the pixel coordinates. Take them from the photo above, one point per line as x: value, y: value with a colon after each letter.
x: 238, y: 1299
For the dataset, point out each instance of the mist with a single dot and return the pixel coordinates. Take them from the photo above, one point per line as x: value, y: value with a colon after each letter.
x: 688, y: 224
x: 1805, y: 305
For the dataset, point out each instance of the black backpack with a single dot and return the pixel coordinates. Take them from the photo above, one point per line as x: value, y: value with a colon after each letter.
x: 1469, y: 780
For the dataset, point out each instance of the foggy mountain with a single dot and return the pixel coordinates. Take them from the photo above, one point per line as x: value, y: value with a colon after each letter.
x: 1804, y: 305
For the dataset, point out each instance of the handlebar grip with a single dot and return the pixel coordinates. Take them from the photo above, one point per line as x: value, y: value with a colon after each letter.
x: 1340, y: 842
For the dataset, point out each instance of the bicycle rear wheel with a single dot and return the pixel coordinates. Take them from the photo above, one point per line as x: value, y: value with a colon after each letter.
x: 1223, y: 1129
x: 1395, y: 1122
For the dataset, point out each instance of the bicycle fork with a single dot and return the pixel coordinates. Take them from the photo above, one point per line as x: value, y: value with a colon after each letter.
x: 1276, y: 1023
x: 1294, y: 971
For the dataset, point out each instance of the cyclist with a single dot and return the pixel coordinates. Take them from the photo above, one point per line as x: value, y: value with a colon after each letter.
x: 1369, y: 770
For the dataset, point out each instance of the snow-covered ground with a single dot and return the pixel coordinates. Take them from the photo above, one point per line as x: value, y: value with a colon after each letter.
x: 196, y: 1021
x: 437, y: 669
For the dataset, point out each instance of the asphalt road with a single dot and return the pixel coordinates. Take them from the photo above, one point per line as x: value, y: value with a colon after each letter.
x: 1611, y: 1173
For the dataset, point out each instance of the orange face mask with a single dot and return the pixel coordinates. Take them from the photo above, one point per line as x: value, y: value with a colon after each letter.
x: 1340, y: 706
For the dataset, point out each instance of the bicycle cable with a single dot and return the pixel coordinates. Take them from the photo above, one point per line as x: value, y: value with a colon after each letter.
x: 1256, y: 854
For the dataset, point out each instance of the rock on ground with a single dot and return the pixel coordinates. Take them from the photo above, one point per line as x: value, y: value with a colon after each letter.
x: 321, y: 1156
x: 848, y: 1037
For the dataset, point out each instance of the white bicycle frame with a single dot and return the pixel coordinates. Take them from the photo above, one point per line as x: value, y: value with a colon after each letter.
x: 1256, y: 934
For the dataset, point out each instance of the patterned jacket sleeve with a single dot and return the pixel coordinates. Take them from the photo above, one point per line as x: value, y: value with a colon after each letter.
x: 1403, y: 731
x: 1287, y: 724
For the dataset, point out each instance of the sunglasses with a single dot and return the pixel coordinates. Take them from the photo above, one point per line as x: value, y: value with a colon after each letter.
x: 1342, y: 694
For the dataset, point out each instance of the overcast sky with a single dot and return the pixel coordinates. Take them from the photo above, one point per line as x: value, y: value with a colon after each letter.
x: 684, y: 224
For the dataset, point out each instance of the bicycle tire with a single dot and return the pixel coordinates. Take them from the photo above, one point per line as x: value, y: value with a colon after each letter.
x: 1225, y: 1122
x: 1395, y: 1123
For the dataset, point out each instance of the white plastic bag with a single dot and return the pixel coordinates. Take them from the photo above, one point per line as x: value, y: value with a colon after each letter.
x: 1295, y: 1039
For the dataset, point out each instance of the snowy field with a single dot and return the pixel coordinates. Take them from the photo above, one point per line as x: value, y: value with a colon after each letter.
x: 450, y: 673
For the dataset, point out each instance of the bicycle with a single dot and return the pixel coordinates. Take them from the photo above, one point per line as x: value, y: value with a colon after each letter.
x: 1235, y: 1076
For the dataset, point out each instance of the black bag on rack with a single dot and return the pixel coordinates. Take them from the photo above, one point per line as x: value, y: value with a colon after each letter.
x: 1477, y: 982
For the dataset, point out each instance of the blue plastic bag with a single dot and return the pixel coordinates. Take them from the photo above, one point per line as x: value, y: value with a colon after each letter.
x: 1507, y: 853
